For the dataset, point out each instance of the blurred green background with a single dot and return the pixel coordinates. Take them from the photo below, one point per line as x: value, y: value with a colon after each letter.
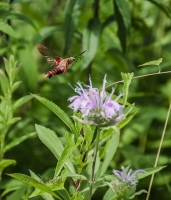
x: 118, y: 35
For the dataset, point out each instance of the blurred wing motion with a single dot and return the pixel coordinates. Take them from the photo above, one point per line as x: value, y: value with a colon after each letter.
x: 51, y: 57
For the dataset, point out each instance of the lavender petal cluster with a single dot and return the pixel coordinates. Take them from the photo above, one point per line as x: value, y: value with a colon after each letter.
x: 97, y: 107
x: 127, y: 181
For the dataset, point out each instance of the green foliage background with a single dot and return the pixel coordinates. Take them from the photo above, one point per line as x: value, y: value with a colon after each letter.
x: 118, y: 35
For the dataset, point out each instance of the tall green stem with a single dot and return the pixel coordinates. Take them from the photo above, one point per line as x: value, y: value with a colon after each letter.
x: 94, y: 161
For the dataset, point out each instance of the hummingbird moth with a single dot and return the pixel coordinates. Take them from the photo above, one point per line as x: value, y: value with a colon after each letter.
x: 61, y: 65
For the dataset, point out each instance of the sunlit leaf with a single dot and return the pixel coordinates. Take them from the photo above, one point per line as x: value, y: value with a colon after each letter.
x: 4, y: 83
x: 13, y: 121
x: 22, y: 101
x: 4, y: 27
x: 49, y: 138
x: 58, y: 111
x: 154, y: 62
x: 15, y: 86
x: 5, y: 163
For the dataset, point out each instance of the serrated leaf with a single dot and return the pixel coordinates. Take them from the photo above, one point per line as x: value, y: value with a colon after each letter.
x: 91, y: 37
x: 18, y: 141
x: 33, y: 182
x: 58, y: 111
x: 154, y: 62
x: 21, y: 101
x: 54, y: 144
x: 5, y: 163
x: 123, y: 18
x: 127, y: 81
x: 4, y: 27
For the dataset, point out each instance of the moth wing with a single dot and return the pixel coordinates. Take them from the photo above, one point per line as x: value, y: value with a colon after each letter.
x: 51, y: 57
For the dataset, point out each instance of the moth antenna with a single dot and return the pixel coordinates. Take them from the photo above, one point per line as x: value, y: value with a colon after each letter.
x: 79, y: 54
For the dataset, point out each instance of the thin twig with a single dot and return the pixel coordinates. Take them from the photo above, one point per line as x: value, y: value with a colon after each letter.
x: 135, y: 77
x: 159, y: 149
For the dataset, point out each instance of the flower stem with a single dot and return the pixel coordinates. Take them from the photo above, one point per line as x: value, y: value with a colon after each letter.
x: 94, y: 161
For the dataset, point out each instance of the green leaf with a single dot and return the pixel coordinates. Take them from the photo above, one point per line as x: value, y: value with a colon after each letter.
x: 88, y: 134
x: 123, y: 18
x: 45, y: 32
x: 4, y: 27
x: 21, y: 101
x: 69, y: 148
x: 11, y: 68
x: 137, y: 193
x: 54, y: 144
x: 4, y: 83
x: 71, y: 19
x: 77, y: 196
x: 15, y: 86
x: 91, y: 36
x: 18, y: 141
x: 5, y: 163
x: 154, y: 62
x: 18, y: 194
x: 33, y: 182
x: 127, y: 81
x: 20, y: 16
x: 58, y: 111
x: 125, y: 121
x: 109, y: 150
x: 29, y: 66
x: 149, y: 171
x: 13, y: 121
x: 162, y: 6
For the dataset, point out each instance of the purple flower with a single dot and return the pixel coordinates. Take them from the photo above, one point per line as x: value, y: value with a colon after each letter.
x: 96, y: 106
x: 126, y: 177
x: 126, y: 185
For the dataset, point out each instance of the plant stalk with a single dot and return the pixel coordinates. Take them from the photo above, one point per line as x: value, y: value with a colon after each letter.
x: 159, y: 149
x: 94, y: 162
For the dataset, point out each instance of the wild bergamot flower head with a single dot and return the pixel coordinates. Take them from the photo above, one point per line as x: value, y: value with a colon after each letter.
x: 125, y: 185
x: 97, y: 107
